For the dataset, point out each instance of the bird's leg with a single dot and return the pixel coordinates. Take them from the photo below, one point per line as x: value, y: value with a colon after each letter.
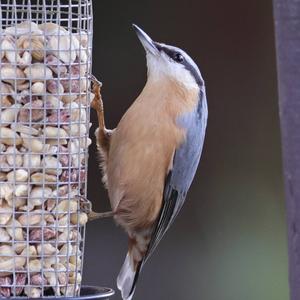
x: 97, y: 104
x: 86, y: 206
x: 103, y: 141
x: 95, y: 215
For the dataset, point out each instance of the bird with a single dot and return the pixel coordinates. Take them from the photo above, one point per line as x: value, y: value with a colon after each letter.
x: 149, y: 160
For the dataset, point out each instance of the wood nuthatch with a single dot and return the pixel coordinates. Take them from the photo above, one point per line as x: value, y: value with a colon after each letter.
x: 149, y: 160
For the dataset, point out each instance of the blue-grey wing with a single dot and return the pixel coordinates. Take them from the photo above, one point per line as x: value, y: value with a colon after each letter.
x: 180, y: 177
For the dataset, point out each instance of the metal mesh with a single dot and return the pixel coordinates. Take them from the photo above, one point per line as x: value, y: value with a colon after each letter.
x: 45, y: 51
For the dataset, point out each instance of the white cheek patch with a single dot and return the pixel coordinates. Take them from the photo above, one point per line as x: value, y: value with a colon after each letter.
x: 162, y: 66
x: 181, y: 74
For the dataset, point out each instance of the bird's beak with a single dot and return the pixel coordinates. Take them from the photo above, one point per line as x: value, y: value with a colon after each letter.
x: 146, y: 41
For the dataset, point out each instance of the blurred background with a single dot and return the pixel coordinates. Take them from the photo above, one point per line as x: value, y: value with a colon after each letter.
x: 229, y: 241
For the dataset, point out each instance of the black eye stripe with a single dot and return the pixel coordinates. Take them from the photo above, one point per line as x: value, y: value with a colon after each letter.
x: 169, y: 52
x: 185, y: 63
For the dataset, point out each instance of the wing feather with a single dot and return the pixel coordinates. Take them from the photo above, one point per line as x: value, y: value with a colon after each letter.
x: 185, y: 162
x: 179, y: 179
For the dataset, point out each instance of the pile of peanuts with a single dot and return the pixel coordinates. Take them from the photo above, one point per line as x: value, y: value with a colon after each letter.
x: 44, y: 105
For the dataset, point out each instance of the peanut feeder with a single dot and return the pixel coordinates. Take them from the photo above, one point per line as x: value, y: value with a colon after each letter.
x: 45, y: 51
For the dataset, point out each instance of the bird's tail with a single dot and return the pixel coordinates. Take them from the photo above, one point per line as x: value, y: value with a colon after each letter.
x: 127, y: 278
x: 135, y: 258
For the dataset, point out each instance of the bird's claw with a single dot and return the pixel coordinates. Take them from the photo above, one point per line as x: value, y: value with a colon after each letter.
x: 95, y: 80
x: 96, y: 87
x: 86, y: 207
x: 97, y: 101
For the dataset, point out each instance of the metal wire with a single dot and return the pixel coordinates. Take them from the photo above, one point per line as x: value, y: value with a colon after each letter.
x: 45, y: 71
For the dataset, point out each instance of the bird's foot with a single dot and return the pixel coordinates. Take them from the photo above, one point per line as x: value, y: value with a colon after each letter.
x: 86, y: 207
x: 97, y: 103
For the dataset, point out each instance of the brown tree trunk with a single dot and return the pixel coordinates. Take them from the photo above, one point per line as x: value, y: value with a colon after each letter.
x: 287, y: 29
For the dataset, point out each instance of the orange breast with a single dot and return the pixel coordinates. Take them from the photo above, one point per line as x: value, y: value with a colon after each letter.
x: 141, y: 153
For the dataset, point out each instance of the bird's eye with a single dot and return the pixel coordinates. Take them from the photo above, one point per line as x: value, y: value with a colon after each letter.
x: 178, y: 57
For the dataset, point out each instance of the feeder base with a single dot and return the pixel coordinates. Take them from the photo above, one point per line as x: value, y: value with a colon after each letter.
x: 87, y: 292
x: 94, y: 292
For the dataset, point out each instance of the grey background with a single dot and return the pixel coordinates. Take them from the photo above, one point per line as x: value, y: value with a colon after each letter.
x: 229, y: 242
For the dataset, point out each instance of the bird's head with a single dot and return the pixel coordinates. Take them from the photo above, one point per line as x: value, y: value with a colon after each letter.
x: 169, y: 62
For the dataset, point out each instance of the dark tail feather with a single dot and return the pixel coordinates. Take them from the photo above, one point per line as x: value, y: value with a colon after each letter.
x: 127, y: 278
x: 134, y: 261
x: 136, y: 277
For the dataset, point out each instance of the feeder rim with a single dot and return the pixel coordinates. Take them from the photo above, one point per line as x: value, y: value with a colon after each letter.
x: 87, y: 292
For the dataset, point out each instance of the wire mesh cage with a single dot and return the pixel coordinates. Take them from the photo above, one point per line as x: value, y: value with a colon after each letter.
x: 45, y: 50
